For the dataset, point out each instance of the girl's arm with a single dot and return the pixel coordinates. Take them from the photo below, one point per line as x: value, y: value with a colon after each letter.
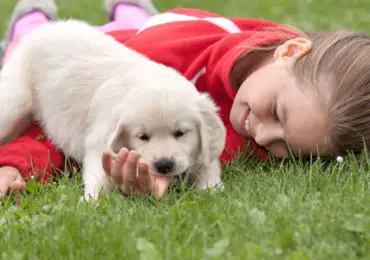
x: 32, y: 154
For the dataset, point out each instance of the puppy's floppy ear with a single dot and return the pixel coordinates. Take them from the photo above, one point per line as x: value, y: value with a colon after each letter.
x: 119, y: 139
x: 212, y: 130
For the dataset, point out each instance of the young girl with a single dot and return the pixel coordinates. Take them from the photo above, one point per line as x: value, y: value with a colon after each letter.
x: 278, y: 90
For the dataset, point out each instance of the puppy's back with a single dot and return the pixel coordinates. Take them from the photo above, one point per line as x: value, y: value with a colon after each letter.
x: 72, y: 44
x: 64, y: 64
x: 77, y: 73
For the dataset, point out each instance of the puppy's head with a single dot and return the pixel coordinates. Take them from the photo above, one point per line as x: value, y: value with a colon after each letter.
x: 172, y: 133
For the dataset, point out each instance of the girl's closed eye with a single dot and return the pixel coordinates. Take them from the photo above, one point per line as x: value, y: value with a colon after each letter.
x: 275, y: 112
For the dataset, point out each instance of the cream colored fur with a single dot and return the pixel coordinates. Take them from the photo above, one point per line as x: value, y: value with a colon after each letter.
x: 91, y: 93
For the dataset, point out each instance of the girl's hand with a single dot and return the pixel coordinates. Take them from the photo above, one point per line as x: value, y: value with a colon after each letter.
x: 131, y: 175
x: 10, y: 179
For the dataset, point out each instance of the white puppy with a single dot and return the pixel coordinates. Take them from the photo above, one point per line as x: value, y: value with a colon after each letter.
x: 91, y: 93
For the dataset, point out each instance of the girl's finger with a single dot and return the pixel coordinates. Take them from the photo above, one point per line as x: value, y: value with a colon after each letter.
x: 161, y: 184
x: 118, y: 165
x: 130, y: 173
x: 144, y: 180
x: 5, y: 180
x: 17, y: 185
x: 107, y: 162
x: 3, y: 188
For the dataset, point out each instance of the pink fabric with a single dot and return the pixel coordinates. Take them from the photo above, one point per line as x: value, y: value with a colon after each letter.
x: 24, y: 26
x: 126, y: 16
x: 28, y: 23
x: 130, y: 16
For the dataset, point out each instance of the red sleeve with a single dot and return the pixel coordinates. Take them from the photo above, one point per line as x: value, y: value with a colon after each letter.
x: 32, y: 154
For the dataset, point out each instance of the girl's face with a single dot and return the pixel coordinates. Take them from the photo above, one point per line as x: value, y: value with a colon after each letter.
x: 276, y: 112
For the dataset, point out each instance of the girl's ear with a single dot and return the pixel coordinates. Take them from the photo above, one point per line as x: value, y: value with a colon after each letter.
x: 293, y: 48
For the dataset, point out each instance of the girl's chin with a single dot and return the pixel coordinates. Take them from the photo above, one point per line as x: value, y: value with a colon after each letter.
x: 237, y: 128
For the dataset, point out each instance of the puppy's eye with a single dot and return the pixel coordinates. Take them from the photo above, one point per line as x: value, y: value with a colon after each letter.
x: 144, y: 137
x: 178, y: 134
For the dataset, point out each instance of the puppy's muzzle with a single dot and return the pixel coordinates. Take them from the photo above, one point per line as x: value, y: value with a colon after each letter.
x: 165, y: 166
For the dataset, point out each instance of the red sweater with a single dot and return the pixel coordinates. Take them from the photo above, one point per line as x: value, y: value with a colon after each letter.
x: 32, y: 154
x: 202, y: 46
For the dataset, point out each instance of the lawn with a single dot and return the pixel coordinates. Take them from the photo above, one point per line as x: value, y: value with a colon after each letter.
x: 284, y: 210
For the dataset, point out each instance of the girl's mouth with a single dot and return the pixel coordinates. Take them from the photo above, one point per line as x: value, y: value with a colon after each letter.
x: 244, y: 124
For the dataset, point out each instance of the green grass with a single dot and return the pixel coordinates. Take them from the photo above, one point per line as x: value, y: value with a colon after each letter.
x: 289, y: 210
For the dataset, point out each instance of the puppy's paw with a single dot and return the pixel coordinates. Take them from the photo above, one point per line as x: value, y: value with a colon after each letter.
x: 91, y: 195
x: 210, y: 177
x: 84, y: 199
x: 210, y: 181
x: 213, y: 186
x: 218, y: 187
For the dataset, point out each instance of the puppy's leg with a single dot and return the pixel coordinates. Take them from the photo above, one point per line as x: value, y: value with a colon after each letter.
x: 15, y: 101
x: 95, y: 179
x: 209, y: 177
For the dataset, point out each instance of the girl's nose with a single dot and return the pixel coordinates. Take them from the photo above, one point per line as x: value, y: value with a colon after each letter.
x: 268, y: 133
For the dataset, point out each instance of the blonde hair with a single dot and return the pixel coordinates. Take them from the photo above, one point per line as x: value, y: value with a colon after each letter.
x: 338, y: 66
x: 338, y: 71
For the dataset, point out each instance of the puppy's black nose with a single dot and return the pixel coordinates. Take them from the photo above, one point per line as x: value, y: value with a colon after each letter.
x: 164, y: 166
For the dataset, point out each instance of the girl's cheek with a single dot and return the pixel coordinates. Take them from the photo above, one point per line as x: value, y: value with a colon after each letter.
x: 235, y: 115
x: 261, y: 104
